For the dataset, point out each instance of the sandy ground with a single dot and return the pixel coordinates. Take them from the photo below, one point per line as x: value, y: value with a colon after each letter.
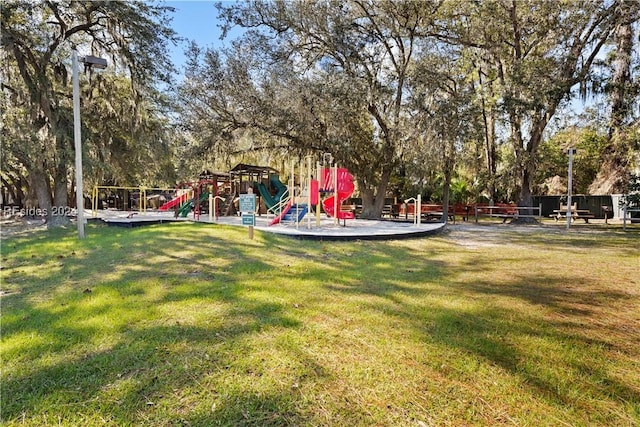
x: 11, y: 226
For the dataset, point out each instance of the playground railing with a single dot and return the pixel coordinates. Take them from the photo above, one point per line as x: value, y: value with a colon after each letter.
x: 214, y: 207
x: 417, y: 207
x: 626, y: 215
x: 276, y: 209
x: 141, y: 204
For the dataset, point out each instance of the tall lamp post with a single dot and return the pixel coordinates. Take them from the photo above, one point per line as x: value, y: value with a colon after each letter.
x: 89, y: 61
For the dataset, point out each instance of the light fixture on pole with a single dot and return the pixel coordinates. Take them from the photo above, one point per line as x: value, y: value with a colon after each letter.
x: 99, y: 63
x: 571, y: 151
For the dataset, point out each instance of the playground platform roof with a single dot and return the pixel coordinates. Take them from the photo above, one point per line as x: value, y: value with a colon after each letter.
x: 252, y: 169
x: 356, y: 229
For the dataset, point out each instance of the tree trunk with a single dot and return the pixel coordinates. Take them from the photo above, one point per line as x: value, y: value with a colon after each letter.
x: 58, y: 215
x: 13, y: 193
x: 20, y: 196
x: 39, y: 184
x: 367, y: 202
x: 372, y: 205
x: 489, y: 123
x: 526, y: 154
x: 525, y: 199
x: 60, y: 193
x: 445, y: 195
x: 621, y: 78
x: 612, y: 176
x: 491, y: 154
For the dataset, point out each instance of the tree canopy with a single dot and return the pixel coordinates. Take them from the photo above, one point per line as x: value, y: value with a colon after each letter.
x: 37, y: 40
x: 437, y: 97
x: 379, y: 84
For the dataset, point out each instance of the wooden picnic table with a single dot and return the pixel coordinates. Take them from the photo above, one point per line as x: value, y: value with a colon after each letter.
x: 584, y: 214
x: 434, y: 211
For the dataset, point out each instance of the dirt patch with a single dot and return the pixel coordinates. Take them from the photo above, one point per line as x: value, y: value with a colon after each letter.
x: 15, y: 225
x: 476, y: 236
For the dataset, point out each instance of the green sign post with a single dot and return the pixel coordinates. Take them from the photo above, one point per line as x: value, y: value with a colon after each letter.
x: 247, y: 203
x: 248, y: 211
x: 249, y: 219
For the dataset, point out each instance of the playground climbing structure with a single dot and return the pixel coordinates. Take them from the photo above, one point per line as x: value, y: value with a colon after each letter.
x: 335, y: 185
x: 337, y: 182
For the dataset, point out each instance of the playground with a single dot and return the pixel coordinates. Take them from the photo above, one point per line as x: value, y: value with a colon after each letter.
x: 328, y: 230
x: 303, y: 207
x: 307, y: 207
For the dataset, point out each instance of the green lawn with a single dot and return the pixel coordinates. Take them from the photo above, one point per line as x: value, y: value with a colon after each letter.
x: 191, y: 324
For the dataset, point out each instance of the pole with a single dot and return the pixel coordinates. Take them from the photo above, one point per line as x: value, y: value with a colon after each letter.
x: 309, y: 192
x: 292, y: 182
x: 142, y: 205
x: 335, y: 194
x: 569, y: 185
x: 319, y: 175
x: 94, y: 201
x: 252, y: 213
x: 211, y: 205
x: 78, y: 146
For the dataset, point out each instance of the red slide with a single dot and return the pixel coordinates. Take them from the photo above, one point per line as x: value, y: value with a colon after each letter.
x: 344, y: 189
x: 173, y: 202
x: 282, y: 214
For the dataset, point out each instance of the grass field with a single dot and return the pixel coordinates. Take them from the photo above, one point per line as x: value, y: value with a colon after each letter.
x: 195, y: 325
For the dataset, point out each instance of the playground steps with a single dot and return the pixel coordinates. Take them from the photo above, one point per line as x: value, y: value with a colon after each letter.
x: 299, y: 209
x: 227, y: 207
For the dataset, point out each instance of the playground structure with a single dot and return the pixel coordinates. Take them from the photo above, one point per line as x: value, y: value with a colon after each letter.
x: 184, y: 198
x: 308, y: 191
x: 262, y: 180
x: 195, y: 196
x: 287, y: 203
x: 124, y: 198
x: 201, y: 196
x: 291, y: 204
x: 301, y: 199
x: 218, y: 194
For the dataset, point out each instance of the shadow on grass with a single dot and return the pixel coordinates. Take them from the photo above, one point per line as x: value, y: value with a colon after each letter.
x: 97, y: 335
x: 181, y: 324
x: 564, y: 362
x: 94, y: 337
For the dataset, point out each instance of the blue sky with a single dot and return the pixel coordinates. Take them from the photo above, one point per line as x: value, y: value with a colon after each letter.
x: 195, y: 20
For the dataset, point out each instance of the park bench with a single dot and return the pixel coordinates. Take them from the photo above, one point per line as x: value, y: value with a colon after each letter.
x: 627, y: 215
x: 462, y: 210
x: 348, y: 208
x: 504, y: 211
x: 390, y: 211
x: 434, y: 211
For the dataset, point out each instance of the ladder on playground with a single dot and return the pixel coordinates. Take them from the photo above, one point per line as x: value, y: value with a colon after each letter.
x: 227, y: 207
